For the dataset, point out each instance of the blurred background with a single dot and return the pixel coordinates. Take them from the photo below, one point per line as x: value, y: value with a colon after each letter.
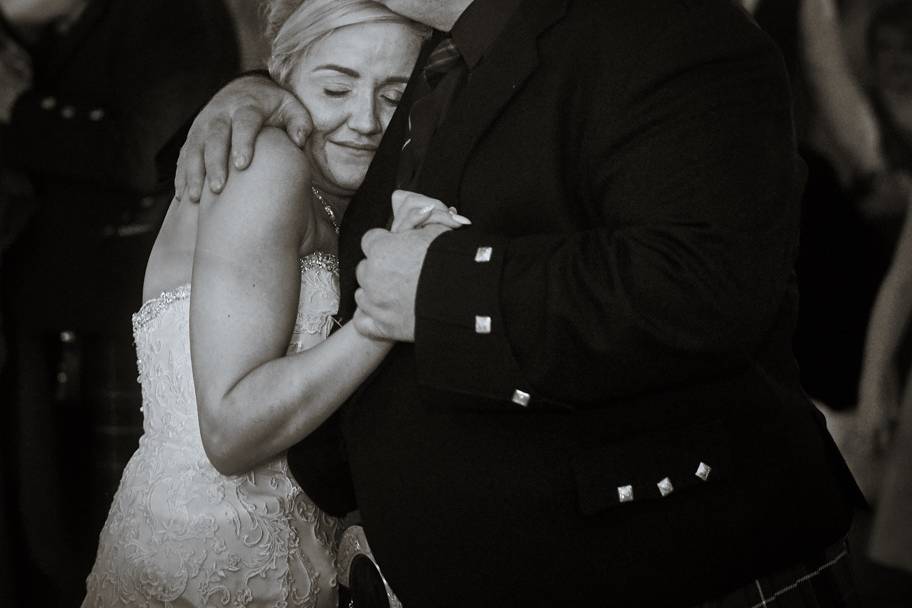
x: 93, y: 97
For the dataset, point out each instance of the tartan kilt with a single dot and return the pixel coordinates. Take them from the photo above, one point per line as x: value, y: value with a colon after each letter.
x: 824, y: 581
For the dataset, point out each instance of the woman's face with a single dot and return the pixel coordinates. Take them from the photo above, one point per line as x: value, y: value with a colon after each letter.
x: 351, y: 83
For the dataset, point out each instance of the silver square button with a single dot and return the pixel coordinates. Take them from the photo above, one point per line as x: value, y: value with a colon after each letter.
x: 703, y: 471
x: 625, y: 493
x: 483, y: 254
x: 521, y: 398
x: 482, y: 324
x: 665, y: 487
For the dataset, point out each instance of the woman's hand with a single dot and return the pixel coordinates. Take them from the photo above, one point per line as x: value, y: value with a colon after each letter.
x: 230, y: 123
x: 412, y: 210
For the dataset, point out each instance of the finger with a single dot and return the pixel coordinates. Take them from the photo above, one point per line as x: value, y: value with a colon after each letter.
x: 398, y: 201
x: 411, y: 219
x: 435, y: 216
x: 366, y: 326
x: 361, y: 299
x: 179, y: 178
x: 297, y: 120
x: 371, y: 238
x: 194, y: 170
x: 246, y: 124
x: 215, y: 153
x: 446, y: 218
x: 361, y: 272
x: 405, y: 199
x: 405, y: 202
x: 365, y: 304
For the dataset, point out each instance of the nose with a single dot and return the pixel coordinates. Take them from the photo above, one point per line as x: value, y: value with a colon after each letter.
x: 364, y: 117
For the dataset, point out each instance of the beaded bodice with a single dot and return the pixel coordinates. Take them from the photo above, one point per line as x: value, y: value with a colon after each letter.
x: 179, y: 532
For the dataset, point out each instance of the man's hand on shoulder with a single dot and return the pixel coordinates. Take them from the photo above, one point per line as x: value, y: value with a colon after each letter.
x: 229, y: 125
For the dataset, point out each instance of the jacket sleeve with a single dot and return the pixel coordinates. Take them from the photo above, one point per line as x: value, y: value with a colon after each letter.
x: 168, y: 58
x: 697, y: 184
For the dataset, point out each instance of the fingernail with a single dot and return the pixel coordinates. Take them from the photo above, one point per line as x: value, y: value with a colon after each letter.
x: 216, y: 185
x: 461, y: 219
x: 299, y: 137
x: 452, y: 210
x: 239, y: 160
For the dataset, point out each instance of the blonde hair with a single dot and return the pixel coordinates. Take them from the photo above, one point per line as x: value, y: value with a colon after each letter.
x: 296, y: 25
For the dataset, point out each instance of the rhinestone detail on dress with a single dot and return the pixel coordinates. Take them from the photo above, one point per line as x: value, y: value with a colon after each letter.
x: 322, y: 260
x: 152, y: 308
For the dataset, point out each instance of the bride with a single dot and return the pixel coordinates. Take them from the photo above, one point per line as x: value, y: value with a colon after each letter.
x: 207, y: 512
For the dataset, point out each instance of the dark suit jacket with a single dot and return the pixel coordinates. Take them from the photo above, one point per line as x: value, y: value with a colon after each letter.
x: 632, y: 166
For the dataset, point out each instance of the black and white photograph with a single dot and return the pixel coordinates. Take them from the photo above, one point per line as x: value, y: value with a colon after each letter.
x: 456, y: 303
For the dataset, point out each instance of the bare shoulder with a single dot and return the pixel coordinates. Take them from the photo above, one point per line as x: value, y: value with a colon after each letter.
x: 271, y: 191
x: 277, y: 156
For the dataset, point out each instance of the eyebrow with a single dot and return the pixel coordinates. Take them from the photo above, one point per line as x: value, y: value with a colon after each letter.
x: 354, y: 74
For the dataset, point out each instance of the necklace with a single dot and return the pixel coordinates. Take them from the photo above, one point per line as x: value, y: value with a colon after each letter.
x: 329, y: 210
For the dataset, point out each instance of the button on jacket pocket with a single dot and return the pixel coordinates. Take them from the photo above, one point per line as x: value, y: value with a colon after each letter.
x: 654, y: 466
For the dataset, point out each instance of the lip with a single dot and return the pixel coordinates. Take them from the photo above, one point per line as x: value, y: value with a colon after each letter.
x: 356, y: 147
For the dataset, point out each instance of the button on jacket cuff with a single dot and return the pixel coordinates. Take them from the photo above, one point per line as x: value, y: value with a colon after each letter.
x: 460, y: 341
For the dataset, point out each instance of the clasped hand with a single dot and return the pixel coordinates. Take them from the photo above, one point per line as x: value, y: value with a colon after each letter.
x: 388, y: 276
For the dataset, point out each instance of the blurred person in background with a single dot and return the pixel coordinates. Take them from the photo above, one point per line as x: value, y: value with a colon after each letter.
x: 879, y: 438
x: 885, y: 411
x: 888, y: 46
x: 837, y: 251
x: 15, y: 74
x: 857, y: 142
x: 106, y: 83
x: 16, y: 195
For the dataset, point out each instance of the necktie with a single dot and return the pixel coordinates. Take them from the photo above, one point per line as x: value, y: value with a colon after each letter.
x: 442, y: 59
x: 427, y: 112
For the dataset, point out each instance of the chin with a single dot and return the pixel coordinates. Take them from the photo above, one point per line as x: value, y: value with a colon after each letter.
x: 349, y: 180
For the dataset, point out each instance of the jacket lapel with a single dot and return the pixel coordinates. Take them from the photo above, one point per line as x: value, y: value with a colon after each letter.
x: 491, y: 86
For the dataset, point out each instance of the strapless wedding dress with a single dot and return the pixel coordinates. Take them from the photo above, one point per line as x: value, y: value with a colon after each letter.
x: 179, y: 533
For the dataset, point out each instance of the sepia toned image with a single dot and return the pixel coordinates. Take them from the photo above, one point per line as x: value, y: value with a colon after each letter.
x: 456, y: 303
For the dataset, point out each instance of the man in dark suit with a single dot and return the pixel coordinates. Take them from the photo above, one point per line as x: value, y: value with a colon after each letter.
x: 593, y: 395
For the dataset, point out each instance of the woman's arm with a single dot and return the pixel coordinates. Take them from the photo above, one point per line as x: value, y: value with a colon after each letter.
x: 879, y: 388
x: 253, y: 401
x: 837, y: 92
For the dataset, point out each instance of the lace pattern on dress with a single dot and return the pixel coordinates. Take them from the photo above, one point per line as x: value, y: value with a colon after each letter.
x: 179, y: 533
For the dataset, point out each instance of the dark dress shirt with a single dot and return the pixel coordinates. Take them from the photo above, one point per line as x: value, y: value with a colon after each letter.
x: 472, y: 34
